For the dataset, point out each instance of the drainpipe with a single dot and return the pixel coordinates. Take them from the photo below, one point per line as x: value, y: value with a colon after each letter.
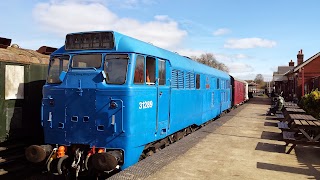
x: 302, y: 72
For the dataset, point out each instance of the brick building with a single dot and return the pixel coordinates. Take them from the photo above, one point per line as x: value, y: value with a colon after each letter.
x: 304, y: 77
x: 281, y: 80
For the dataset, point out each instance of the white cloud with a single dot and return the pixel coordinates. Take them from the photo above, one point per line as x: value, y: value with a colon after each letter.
x: 252, y: 76
x: 274, y: 68
x: 221, y: 31
x: 233, y: 61
x: 162, y: 18
x: 242, y: 56
x: 78, y: 1
x: 224, y: 58
x: 239, y: 67
x: 247, y: 43
x: 130, y: 4
x: 62, y: 17
x: 244, y: 76
x: 190, y: 52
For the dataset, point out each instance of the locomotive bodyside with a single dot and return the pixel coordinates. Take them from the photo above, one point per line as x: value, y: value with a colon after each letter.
x: 119, y: 99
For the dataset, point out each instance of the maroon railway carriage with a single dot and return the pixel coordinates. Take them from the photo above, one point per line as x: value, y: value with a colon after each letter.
x: 238, y: 91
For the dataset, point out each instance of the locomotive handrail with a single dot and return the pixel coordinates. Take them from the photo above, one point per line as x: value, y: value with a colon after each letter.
x: 42, y: 105
x: 80, y: 91
x: 122, y: 106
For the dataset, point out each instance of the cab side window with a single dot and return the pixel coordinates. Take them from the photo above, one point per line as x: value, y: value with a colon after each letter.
x: 150, y: 70
x: 162, y: 72
x: 139, y: 72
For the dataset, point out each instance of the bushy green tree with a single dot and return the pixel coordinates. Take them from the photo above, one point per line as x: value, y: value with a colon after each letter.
x: 311, y: 103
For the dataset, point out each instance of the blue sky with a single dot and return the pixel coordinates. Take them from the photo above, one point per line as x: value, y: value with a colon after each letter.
x: 251, y: 37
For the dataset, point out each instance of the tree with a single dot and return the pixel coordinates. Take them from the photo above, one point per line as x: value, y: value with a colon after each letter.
x: 259, y: 79
x: 210, y: 60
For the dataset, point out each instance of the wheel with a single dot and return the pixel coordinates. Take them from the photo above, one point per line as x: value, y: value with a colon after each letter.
x: 104, y: 162
x: 35, y: 153
x: 61, y: 166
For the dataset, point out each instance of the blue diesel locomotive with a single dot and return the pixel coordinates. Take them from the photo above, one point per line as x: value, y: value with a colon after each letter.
x: 111, y: 100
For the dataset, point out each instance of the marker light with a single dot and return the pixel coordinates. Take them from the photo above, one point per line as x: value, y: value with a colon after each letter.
x: 113, y: 105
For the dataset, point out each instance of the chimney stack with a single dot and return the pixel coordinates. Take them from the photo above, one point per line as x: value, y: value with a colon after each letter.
x: 300, y: 57
x: 4, y: 42
x: 291, y: 63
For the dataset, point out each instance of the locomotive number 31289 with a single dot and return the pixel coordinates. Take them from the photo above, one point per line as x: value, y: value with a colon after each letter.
x: 145, y: 104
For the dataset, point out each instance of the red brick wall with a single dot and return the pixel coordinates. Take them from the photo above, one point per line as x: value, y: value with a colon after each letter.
x: 311, y: 70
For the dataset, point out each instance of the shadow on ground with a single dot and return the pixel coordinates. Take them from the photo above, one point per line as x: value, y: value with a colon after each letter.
x: 307, y: 156
x: 272, y: 124
x: 271, y: 135
x: 270, y: 147
x: 310, y: 171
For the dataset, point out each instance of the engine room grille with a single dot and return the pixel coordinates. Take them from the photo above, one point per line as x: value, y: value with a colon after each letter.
x: 177, y: 79
x: 190, y: 80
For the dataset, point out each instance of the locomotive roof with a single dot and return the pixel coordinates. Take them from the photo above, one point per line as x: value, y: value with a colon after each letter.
x: 25, y: 56
x: 126, y: 44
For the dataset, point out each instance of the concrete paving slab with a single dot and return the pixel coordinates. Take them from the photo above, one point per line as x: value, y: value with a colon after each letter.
x: 248, y: 146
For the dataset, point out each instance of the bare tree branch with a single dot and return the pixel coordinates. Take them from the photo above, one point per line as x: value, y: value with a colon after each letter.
x: 210, y: 60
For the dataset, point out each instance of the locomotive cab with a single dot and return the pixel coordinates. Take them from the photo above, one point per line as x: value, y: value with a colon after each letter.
x: 81, y: 110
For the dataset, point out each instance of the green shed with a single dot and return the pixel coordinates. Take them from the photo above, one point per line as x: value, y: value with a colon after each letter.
x: 22, y: 75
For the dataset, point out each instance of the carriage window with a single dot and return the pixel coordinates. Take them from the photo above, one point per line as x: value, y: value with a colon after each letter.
x: 56, y: 66
x: 86, y: 61
x: 115, y: 68
x: 139, y: 70
x: 198, y: 81
x: 162, y: 72
x: 218, y: 83
x: 150, y: 70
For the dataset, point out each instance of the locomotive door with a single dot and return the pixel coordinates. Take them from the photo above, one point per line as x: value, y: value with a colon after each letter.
x: 163, y: 99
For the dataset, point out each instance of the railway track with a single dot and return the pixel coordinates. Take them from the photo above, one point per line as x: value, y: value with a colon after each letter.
x: 13, y: 164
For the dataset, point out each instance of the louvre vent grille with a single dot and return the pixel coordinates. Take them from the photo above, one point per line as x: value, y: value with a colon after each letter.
x: 190, y: 80
x: 177, y: 79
